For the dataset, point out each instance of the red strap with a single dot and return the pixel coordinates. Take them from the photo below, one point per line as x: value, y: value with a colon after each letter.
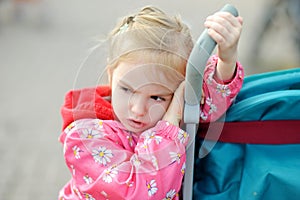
x: 252, y: 132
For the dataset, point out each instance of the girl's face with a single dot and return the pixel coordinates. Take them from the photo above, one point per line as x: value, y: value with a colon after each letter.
x: 141, y: 94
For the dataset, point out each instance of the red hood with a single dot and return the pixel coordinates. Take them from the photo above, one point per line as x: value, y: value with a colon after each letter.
x: 87, y: 103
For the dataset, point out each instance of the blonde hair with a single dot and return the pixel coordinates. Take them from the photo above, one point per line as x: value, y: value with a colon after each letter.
x: 152, y: 36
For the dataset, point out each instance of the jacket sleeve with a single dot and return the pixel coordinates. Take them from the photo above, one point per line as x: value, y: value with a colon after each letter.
x: 86, y: 103
x: 108, y: 162
x: 218, y: 95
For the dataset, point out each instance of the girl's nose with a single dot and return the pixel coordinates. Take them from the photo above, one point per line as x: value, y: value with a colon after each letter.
x: 138, y: 105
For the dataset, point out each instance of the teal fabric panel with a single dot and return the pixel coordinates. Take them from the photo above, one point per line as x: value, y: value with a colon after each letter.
x: 271, y: 172
x: 233, y: 171
x: 268, y: 96
x: 269, y: 82
x: 278, y: 105
x: 248, y: 172
x: 218, y: 175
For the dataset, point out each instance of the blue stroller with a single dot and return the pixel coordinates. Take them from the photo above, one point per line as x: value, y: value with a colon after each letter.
x: 257, y: 154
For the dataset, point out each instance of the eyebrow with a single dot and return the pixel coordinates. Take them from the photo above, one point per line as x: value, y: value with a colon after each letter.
x: 162, y: 94
x: 124, y: 83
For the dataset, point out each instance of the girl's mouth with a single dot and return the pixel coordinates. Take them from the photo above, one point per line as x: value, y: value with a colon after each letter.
x: 136, y: 124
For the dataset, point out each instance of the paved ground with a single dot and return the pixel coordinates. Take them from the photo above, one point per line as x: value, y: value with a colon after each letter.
x: 40, y: 56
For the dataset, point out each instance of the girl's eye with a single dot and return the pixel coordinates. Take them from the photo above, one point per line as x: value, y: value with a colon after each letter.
x: 157, y: 98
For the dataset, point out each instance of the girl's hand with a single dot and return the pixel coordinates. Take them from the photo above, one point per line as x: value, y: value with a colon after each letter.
x: 175, y: 109
x: 225, y: 29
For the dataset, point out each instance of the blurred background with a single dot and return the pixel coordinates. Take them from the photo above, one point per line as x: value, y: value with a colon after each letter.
x: 43, y: 44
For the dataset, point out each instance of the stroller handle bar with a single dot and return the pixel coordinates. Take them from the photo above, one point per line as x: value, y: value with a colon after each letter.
x: 197, y: 62
x: 193, y: 89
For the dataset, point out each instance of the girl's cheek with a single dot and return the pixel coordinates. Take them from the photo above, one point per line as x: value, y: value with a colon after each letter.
x: 157, y: 111
x: 120, y: 102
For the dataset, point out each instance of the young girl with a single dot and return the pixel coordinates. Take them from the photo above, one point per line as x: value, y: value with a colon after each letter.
x: 123, y: 141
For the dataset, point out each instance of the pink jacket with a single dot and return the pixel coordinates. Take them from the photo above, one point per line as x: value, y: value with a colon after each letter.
x: 108, y: 162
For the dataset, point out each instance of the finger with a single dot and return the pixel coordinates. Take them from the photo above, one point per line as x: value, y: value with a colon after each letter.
x: 222, y: 30
x: 216, y: 36
x: 178, y: 100
x: 181, y: 87
x: 235, y: 21
x: 220, y: 33
x: 241, y: 20
x: 219, y: 24
x: 224, y: 20
x: 174, y: 112
x: 179, y: 93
